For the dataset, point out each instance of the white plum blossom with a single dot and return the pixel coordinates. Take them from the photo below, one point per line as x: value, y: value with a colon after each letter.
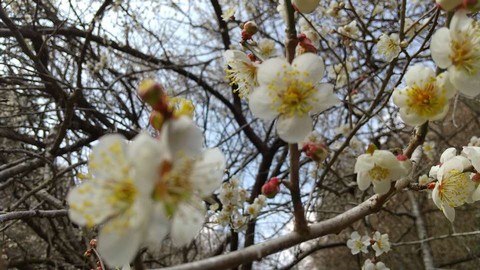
x: 449, y: 4
x: 454, y: 186
x: 382, y: 243
x: 187, y: 175
x: 267, y: 48
x: 474, y: 141
x: 241, y: 71
x: 230, y: 12
x: 291, y: 92
x: 379, y: 168
x: 358, y: 243
x: 306, y: 6
x: 472, y: 153
x: 426, y: 96
x: 388, y: 46
x: 334, y: 9
x: 118, y: 195
x: 339, y: 72
x: 429, y: 149
x: 458, y: 50
x: 350, y: 30
x: 369, y: 265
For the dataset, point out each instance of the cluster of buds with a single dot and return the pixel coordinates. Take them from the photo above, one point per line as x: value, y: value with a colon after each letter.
x: 233, y: 213
x: 249, y: 29
x: 164, y: 107
x: 271, y: 187
x: 305, y: 44
x: 91, y: 246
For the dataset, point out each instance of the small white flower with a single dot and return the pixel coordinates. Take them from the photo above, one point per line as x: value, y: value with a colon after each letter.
x: 382, y: 243
x: 424, y: 179
x: 339, y: 72
x: 242, y: 71
x: 350, y: 30
x: 369, y: 265
x: 188, y: 175
x: 306, y: 6
x: 334, y: 9
x: 380, y: 169
x: 389, y: 46
x: 454, y: 187
x: 118, y: 195
x: 230, y: 12
x: 253, y: 210
x: 355, y: 143
x: 426, y: 96
x: 474, y: 141
x: 291, y: 92
x: 358, y: 243
x: 267, y: 48
x: 343, y: 130
x: 429, y: 149
x: 458, y: 50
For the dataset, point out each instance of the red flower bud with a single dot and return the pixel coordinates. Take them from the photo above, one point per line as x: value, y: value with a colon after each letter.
x: 431, y: 185
x: 153, y: 94
x: 93, y: 243
x: 402, y: 157
x: 271, y: 188
x: 316, y: 151
x: 476, y: 178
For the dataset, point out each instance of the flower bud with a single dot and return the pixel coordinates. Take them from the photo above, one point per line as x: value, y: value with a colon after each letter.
x: 431, y: 185
x: 305, y: 6
x: 153, y: 94
x: 306, y: 44
x: 318, y: 152
x: 476, y: 178
x: 156, y: 120
x: 250, y: 28
x: 93, y: 243
x: 271, y: 188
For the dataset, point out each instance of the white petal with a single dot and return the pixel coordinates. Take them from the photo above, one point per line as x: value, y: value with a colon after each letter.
x: 294, y: 129
x: 436, y: 196
x: 459, y: 22
x: 363, y: 180
x: 440, y: 48
x: 306, y: 6
x: 159, y: 225
x: 311, y: 67
x: 182, y: 137
x: 187, y: 222
x: 207, y: 172
x: 399, y: 97
x: 365, y: 163
x: 476, y: 194
x: 145, y: 154
x: 272, y: 71
x: 410, y: 118
x: 88, y: 204
x: 261, y: 104
x: 449, y: 212
x: 419, y: 75
x: 119, y: 241
x: 446, y: 86
x: 448, y: 154
x: 381, y: 187
x: 473, y: 154
x: 467, y: 84
x: 109, y: 153
x: 325, y: 98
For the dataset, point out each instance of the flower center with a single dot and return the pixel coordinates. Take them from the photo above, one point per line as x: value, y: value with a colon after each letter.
x: 425, y: 101
x: 455, y: 188
x: 378, y: 173
x: 464, y: 53
x: 173, y: 184
x: 243, y: 74
x: 296, y: 98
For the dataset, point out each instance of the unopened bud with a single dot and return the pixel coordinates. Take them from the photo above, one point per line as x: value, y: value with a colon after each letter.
x: 431, y: 185
x: 271, y: 188
x: 153, y: 94
x: 476, y: 178
x: 88, y: 253
x: 402, y: 157
x: 156, y: 120
x: 371, y: 148
x: 250, y: 28
x: 404, y: 44
x: 318, y: 152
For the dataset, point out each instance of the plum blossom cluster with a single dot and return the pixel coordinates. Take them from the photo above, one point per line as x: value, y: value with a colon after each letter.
x: 141, y: 191
x: 457, y: 50
x: 233, y: 210
x: 378, y: 242
x: 380, y: 168
x: 457, y: 179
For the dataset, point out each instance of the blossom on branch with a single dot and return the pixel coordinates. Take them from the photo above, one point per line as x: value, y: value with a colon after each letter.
x: 389, y: 46
x: 369, y: 265
x: 458, y: 50
x: 241, y: 71
x: 380, y: 168
x: 382, y: 243
x: 358, y: 243
x: 425, y: 97
x: 290, y: 92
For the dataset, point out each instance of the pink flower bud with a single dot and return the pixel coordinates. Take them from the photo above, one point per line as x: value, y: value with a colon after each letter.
x: 271, y: 188
x: 153, y: 94
x: 402, y: 157
x: 318, y: 152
